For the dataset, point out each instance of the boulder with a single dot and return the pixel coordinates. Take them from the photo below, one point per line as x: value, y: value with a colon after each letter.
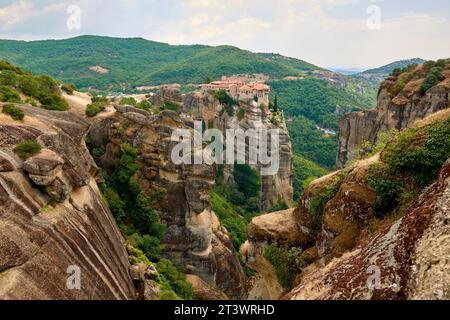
x: 44, y: 167
x: 278, y: 227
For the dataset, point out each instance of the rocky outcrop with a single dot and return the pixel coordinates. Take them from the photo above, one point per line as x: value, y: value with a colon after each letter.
x: 203, y: 291
x: 398, y: 107
x: 194, y: 238
x: 407, y: 260
x: 54, y: 224
x: 203, y: 106
x: 279, y: 228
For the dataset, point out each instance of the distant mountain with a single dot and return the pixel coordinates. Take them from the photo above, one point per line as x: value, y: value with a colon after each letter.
x: 372, y: 78
x: 118, y: 64
x: 347, y: 71
x: 387, y: 69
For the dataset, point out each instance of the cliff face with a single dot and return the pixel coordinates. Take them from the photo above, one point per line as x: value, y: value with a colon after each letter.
x: 274, y: 187
x: 349, y: 250
x: 52, y: 216
x: 194, y: 236
x: 410, y: 257
x: 400, y: 104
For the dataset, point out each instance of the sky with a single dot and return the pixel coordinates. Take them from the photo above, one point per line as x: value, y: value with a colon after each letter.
x: 329, y: 33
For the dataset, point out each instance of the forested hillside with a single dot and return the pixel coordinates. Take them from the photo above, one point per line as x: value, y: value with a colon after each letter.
x: 127, y: 63
x: 317, y: 100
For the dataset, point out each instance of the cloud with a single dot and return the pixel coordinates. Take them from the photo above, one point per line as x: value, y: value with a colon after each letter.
x: 15, y: 13
x: 324, y: 32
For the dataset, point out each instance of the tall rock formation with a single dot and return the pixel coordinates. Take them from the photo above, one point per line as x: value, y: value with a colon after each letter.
x: 400, y: 104
x: 194, y: 237
x: 53, y: 221
x: 203, y: 106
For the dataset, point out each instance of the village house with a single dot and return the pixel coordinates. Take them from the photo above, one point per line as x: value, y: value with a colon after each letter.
x: 240, y: 91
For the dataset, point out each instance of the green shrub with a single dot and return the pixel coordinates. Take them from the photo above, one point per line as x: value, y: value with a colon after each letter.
x: 53, y: 101
x: 15, y: 112
x: 277, y: 118
x: 170, y: 105
x: 115, y: 203
x: 388, y: 185
x: 144, y: 105
x: 128, y: 101
x: 9, y: 95
x: 396, y: 72
x: 149, y: 245
x: 224, y: 98
x: 29, y: 86
x: 231, y: 219
x: 434, y: 76
x: 6, y: 66
x: 176, y: 279
x: 420, y: 152
x: 95, y: 108
x: 68, y: 88
x: 241, y: 114
x: 8, y: 78
x: 31, y: 101
x: 410, y: 162
x: 319, y: 201
x: 287, y: 263
x: 27, y: 149
x: 369, y: 149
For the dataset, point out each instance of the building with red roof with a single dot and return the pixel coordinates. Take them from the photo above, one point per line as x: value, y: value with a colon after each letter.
x: 241, y: 91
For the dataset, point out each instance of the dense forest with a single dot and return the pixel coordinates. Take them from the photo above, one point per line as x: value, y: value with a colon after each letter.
x: 317, y: 100
x: 135, y: 61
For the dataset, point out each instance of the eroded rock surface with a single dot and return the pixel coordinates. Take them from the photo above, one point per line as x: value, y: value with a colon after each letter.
x: 194, y: 237
x: 41, y: 246
x: 394, y: 111
x: 410, y: 257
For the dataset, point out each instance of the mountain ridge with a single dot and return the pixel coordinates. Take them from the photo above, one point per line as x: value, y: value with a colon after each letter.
x: 136, y: 61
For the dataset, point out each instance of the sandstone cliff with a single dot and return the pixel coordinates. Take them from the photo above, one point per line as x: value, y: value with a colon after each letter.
x: 400, y: 104
x: 194, y: 237
x: 347, y: 249
x: 203, y: 106
x: 52, y: 216
x: 409, y: 257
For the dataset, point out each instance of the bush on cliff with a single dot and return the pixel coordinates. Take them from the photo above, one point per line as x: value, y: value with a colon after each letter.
x: 27, y: 148
x: 420, y: 152
x: 9, y: 95
x: 434, y: 76
x: 53, y: 101
x: 68, y: 88
x: 175, y: 279
x: 319, y: 201
x: 128, y: 101
x: 97, y: 105
x: 287, y: 263
x: 140, y: 223
x: 170, y: 105
x: 411, y: 162
x: 230, y: 218
x: 94, y: 108
x: 15, y: 112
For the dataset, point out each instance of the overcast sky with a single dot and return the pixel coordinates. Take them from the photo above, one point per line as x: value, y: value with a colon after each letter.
x: 329, y: 33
